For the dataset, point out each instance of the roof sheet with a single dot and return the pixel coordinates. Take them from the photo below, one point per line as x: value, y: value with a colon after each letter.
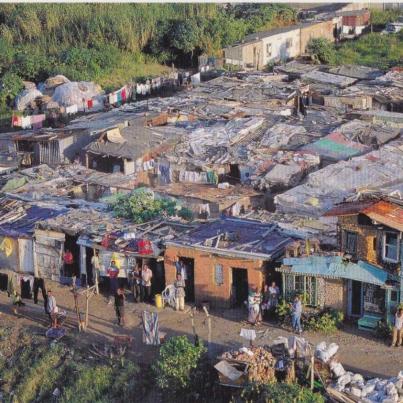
x: 349, y: 208
x: 386, y: 213
x: 335, y: 267
x: 237, y: 235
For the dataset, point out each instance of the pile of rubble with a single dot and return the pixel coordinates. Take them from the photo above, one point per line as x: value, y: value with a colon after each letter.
x: 354, y: 385
x: 261, y: 362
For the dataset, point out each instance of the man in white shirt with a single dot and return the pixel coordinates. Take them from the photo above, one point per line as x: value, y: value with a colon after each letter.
x: 95, y: 270
x: 146, y: 276
x: 52, y: 309
x: 397, y: 332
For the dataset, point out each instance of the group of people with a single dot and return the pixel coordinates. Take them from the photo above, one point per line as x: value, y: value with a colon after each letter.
x: 260, y: 302
x: 267, y: 301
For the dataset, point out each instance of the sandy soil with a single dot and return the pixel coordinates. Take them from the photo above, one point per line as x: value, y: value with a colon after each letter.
x: 359, y: 351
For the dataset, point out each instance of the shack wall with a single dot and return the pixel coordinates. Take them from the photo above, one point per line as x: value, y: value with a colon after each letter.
x: 282, y: 46
x: 320, y: 30
x: 204, y: 280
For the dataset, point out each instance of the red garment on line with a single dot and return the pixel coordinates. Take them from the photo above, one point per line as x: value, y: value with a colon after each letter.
x: 90, y: 103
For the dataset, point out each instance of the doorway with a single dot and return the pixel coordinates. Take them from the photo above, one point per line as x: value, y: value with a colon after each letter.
x: 188, y: 264
x: 70, y: 244
x: 89, y: 253
x: 355, y: 291
x: 239, y: 286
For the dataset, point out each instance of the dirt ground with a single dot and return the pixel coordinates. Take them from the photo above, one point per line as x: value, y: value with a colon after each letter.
x: 359, y: 351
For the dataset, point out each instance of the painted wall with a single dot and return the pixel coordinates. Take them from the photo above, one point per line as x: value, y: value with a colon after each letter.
x: 282, y: 46
x: 320, y: 30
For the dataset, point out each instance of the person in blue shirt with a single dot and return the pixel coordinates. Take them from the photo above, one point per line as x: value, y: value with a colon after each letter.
x: 296, y: 311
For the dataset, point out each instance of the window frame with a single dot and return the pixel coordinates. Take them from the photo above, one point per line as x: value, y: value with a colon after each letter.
x: 348, y: 233
x: 310, y: 287
x: 269, y: 49
x: 384, y: 257
x: 288, y: 43
x: 216, y: 283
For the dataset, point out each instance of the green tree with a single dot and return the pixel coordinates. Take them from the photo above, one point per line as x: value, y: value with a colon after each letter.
x: 11, y: 85
x: 322, y: 49
x: 176, y: 365
x: 279, y: 393
x: 141, y: 207
x: 185, y: 37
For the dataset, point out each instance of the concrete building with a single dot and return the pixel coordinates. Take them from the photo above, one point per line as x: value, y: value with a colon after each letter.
x: 281, y: 44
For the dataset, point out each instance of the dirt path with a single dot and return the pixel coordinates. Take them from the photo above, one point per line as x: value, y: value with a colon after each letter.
x: 359, y: 351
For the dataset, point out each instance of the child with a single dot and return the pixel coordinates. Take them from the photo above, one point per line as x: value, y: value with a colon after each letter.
x: 120, y: 306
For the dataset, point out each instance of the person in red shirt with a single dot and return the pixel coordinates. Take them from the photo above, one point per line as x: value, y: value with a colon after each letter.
x: 68, y: 263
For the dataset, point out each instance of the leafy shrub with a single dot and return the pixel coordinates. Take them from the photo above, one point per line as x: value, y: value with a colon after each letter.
x: 279, y: 393
x: 326, y: 321
x: 283, y: 310
x: 175, y: 368
x: 141, y: 207
x: 383, y: 330
x: 322, y: 49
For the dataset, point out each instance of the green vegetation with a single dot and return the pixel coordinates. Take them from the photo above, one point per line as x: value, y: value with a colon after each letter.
x: 176, y: 367
x: 326, y: 321
x: 374, y: 50
x: 379, y: 18
x: 279, y: 393
x: 322, y: 50
x: 112, y: 44
x: 141, y: 206
x: 31, y: 369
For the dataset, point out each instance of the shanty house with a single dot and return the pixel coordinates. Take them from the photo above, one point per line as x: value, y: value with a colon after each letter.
x: 50, y: 146
x: 366, y: 273
x: 280, y: 44
x: 224, y: 258
x: 354, y: 22
x: 17, y: 224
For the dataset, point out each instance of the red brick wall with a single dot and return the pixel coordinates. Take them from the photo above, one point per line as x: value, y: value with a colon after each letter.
x: 204, y: 264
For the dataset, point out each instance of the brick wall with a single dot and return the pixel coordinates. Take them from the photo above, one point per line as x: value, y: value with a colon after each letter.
x: 332, y: 293
x: 366, y: 238
x: 204, y: 264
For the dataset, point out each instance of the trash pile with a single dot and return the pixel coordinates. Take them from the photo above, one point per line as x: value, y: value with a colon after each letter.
x: 353, y: 384
x: 261, y: 363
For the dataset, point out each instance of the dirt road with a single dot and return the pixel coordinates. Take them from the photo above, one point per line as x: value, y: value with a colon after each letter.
x: 359, y: 351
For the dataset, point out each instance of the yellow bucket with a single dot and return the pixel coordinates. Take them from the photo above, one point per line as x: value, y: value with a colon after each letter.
x: 158, y: 301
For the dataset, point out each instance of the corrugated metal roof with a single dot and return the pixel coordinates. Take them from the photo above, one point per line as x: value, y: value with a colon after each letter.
x: 335, y: 267
x: 350, y: 208
x: 386, y: 213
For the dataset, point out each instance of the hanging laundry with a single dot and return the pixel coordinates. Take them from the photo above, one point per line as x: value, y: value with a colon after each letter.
x: 37, y: 121
x: 195, y: 79
x: 124, y: 94
x: 16, y: 121
x: 72, y: 109
x: 138, y: 89
x: 90, y: 103
x: 119, y: 97
x: 26, y: 122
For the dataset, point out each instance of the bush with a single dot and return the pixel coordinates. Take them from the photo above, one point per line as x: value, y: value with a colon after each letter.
x: 279, y: 393
x: 141, y: 207
x: 283, y: 310
x: 326, y: 321
x: 322, y: 49
x: 176, y: 366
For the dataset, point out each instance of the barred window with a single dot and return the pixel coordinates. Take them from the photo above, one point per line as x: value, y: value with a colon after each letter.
x: 301, y: 285
x: 218, y: 274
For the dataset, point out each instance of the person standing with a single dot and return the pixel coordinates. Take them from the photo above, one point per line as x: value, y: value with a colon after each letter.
x: 146, y: 276
x: 96, y: 267
x: 120, y: 306
x: 113, y: 272
x: 179, y: 293
x: 135, y: 283
x: 296, y: 312
x: 274, y: 295
x: 397, y: 332
x: 52, y: 309
x: 39, y: 283
x: 68, y: 263
x: 254, y: 301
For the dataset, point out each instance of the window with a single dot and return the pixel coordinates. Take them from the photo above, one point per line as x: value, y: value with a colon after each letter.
x: 390, y: 247
x: 218, y: 274
x: 302, y: 285
x: 350, y: 242
x: 288, y: 43
x: 268, y: 49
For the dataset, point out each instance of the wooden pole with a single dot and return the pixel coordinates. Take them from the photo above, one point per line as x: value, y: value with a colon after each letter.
x: 209, y: 329
x: 77, y: 309
x: 87, y: 300
x: 312, y: 372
